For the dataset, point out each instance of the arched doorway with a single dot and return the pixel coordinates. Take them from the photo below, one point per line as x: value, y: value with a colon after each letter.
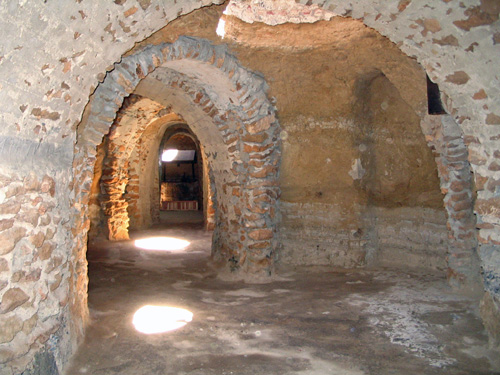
x: 184, y: 185
x: 227, y: 108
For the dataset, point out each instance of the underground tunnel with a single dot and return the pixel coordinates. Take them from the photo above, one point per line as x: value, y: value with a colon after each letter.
x: 321, y: 176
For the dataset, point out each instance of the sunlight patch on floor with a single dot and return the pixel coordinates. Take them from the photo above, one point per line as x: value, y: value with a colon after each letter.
x: 151, y: 319
x: 162, y: 243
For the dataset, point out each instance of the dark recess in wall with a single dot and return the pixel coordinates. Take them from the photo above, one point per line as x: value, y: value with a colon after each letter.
x: 434, y: 104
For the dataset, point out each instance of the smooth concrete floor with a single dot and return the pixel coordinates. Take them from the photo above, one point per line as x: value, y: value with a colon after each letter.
x: 309, y: 321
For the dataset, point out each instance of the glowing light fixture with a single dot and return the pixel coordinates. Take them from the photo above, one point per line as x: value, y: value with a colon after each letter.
x: 221, y: 28
x: 161, y: 243
x: 151, y: 319
x: 169, y: 155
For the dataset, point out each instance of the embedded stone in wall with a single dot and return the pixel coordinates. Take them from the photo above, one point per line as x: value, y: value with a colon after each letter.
x: 277, y: 11
x: 12, y: 299
x: 9, y: 328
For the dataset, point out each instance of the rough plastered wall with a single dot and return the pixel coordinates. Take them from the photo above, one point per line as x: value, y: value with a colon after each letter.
x: 457, y: 43
x: 317, y: 92
x: 346, y: 174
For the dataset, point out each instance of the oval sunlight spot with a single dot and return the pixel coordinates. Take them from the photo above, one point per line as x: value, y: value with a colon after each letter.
x: 161, y: 243
x: 151, y: 319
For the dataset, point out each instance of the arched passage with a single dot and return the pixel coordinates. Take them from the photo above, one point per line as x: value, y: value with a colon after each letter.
x: 227, y: 108
x: 41, y: 118
x: 144, y: 187
x: 454, y: 43
x: 183, y: 178
x: 433, y: 35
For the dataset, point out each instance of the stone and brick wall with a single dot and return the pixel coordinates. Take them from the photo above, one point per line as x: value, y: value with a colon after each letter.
x: 53, y: 56
x: 410, y: 237
x: 125, y: 134
x: 35, y: 271
x: 322, y: 234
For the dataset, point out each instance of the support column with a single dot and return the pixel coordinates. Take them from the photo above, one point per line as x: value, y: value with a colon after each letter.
x: 445, y: 138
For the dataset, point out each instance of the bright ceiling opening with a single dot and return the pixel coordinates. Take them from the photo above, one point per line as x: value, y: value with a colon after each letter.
x: 169, y: 155
x: 152, y: 319
x: 178, y: 155
x: 221, y: 28
x: 161, y: 243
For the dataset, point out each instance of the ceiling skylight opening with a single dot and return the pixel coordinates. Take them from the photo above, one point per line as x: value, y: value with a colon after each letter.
x: 221, y: 28
x: 169, y: 155
x: 172, y: 155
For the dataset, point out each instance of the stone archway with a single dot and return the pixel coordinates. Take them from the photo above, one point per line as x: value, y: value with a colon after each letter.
x: 244, y: 137
x: 136, y: 115
x: 51, y: 82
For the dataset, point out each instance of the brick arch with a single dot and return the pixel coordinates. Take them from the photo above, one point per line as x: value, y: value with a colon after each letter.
x: 234, y: 100
x: 445, y: 139
x: 135, y: 116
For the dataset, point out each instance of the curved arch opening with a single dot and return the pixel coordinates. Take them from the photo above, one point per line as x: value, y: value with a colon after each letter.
x: 54, y: 59
x: 233, y: 121
x: 184, y: 186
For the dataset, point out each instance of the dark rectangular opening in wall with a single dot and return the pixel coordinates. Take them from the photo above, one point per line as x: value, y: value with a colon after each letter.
x: 434, y: 104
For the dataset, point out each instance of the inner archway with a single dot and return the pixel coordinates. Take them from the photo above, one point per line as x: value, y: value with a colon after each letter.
x: 183, y: 174
x: 227, y: 108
